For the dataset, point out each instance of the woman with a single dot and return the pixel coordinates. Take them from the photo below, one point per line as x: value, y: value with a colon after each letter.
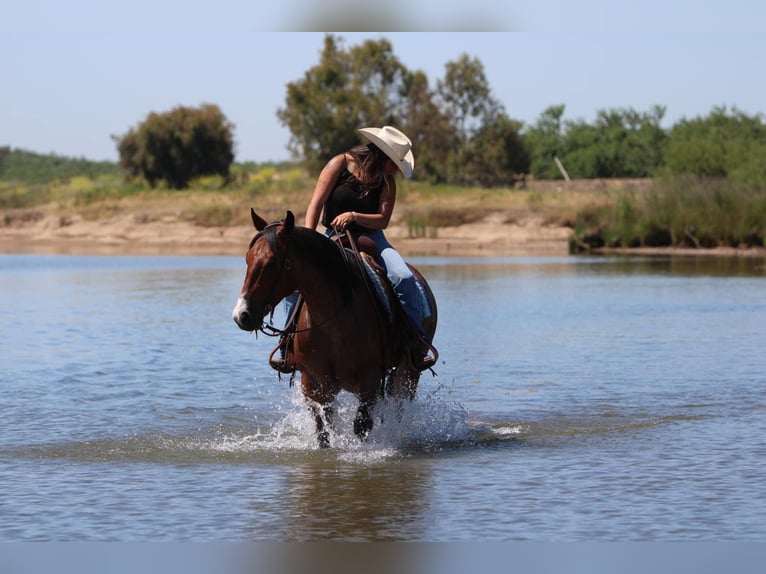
x: 356, y: 192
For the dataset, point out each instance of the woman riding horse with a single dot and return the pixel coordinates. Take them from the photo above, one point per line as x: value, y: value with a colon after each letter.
x: 356, y: 193
x: 344, y: 339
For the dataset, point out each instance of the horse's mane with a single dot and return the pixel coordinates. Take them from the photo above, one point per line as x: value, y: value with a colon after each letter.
x: 334, y: 264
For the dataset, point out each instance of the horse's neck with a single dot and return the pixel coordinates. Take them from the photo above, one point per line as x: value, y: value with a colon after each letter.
x: 322, y: 291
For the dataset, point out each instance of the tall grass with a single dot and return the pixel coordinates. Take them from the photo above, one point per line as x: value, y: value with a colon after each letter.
x: 681, y: 212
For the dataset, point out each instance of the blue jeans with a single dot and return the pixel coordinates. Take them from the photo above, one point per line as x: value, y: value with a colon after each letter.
x: 402, y: 280
x: 408, y: 292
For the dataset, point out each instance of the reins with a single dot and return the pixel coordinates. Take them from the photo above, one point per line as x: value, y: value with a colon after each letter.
x: 271, y: 331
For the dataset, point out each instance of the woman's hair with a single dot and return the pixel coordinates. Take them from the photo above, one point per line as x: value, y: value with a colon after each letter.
x: 371, y: 162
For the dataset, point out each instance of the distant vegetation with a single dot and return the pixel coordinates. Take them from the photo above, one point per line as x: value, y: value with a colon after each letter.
x: 709, y: 173
x: 96, y: 189
x: 463, y: 135
x: 24, y: 166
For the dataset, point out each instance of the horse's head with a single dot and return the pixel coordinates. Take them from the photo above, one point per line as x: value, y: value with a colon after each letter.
x: 267, y: 265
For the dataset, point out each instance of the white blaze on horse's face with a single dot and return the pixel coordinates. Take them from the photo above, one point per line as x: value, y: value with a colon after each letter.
x: 258, y: 290
x: 239, y: 308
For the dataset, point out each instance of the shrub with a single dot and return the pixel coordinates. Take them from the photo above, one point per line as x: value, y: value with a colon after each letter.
x: 178, y: 146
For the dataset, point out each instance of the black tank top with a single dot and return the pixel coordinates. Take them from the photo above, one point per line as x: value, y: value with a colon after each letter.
x: 349, y: 195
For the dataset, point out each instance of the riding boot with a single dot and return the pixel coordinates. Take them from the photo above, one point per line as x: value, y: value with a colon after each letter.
x: 422, y: 354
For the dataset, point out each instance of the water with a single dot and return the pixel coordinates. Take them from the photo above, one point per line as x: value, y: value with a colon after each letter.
x: 576, y: 399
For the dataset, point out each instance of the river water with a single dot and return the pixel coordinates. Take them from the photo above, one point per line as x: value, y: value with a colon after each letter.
x: 575, y: 399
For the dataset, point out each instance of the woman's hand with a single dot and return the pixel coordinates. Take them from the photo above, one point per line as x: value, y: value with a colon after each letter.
x: 343, y: 220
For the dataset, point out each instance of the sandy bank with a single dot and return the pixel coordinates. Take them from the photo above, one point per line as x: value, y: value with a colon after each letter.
x: 164, y: 234
x: 133, y: 233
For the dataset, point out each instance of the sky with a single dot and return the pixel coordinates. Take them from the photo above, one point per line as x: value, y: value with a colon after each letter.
x: 75, y: 73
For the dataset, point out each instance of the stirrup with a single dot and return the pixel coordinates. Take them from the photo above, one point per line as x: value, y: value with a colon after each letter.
x: 424, y: 361
x: 281, y: 364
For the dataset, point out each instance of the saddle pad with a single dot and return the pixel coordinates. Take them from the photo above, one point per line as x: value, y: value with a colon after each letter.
x: 380, y: 288
x: 377, y: 278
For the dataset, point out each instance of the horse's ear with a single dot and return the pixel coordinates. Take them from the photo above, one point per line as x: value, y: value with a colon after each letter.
x: 258, y: 222
x: 289, y: 220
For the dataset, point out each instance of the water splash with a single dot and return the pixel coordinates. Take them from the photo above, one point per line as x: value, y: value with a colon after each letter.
x: 400, y: 428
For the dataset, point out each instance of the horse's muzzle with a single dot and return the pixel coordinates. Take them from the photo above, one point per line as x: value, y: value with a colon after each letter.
x: 243, y: 317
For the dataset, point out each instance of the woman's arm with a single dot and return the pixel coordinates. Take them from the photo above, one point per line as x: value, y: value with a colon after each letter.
x: 378, y: 220
x: 324, y: 186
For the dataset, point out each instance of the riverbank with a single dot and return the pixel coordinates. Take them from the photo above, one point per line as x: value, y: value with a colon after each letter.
x: 138, y: 233
x: 428, y: 221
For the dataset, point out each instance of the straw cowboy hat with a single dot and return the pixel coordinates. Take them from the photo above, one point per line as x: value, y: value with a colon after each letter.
x: 394, y: 144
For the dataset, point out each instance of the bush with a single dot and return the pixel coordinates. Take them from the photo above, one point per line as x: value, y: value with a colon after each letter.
x: 178, y: 146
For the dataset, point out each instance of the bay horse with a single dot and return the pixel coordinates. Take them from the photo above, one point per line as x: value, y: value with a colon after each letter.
x: 344, y: 338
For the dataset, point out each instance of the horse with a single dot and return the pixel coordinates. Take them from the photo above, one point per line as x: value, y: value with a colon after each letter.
x: 345, y: 338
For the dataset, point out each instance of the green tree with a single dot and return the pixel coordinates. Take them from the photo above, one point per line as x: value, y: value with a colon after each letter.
x: 434, y: 138
x: 496, y: 156
x: 628, y: 143
x: 545, y: 140
x: 178, y: 145
x: 620, y: 143
x: 346, y: 90
x: 467, y: 97
x: 368, y: 85
x: 723, y: 144
x: 580, y: 151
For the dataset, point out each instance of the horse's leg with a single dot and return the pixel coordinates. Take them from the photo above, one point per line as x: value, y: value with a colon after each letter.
x: 363, y: 420
x: 402, y: 387
x: 403, y: 383
x: 321, y: 413
x: 320, y: 405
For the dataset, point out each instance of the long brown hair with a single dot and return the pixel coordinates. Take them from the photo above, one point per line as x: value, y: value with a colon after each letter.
x: 371, y: 163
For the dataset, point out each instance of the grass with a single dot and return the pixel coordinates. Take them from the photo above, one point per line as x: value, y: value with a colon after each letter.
x: 678, y: 212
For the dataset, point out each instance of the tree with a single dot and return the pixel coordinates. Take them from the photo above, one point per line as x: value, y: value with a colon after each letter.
x: 368, y: 85
x: 345, y: 91
x: 627, y: 143
x: 433, y: 136
x: 723, y: 144
x: 178, y: 145
x: 495, y: 156
x: 467, y: 97
x: 620, y: 143
x: 545, y: 139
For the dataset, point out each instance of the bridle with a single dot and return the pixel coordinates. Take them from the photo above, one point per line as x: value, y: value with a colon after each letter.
x: 270, y: 233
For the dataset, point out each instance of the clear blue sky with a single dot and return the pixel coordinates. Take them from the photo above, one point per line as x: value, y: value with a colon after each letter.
x: 76, y: 72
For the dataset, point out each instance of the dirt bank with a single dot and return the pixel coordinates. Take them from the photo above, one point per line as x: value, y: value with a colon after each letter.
x: 520, y: 223
x: 139, y: 233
